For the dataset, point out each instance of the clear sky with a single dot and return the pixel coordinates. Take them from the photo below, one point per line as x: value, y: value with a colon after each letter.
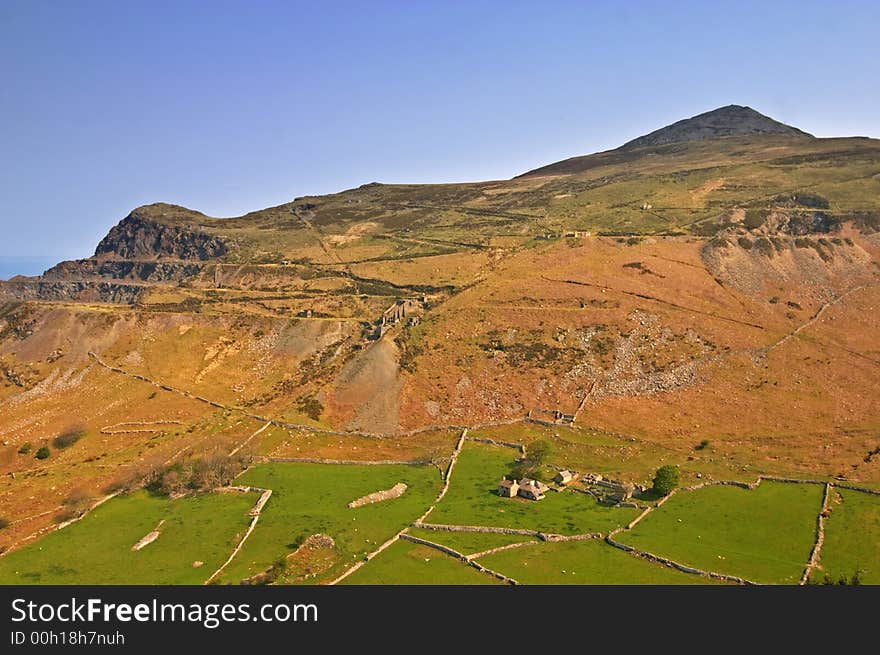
x: 227, y: 107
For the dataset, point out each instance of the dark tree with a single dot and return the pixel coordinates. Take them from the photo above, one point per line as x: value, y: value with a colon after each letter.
x: 666, y: 479
x: 539, y: 452
x: 69, y: 437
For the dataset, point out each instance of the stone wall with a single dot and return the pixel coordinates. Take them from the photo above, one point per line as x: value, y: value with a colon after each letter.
x: 378, y: 496
x: 478, y: 528
x: 460, y: 556
x: 255, y: 513
x: 675, y: 565
x: 452, y: 460
x: 494, y: 442
x: 498, y: 549
x: 351, y: 462
x: 424, y: 542
x: 813, y: 562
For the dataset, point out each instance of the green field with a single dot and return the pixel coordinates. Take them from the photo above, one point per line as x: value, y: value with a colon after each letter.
x: 582, y: 562
x: 852, y: 537
x: 472, y: 499
x: 764, y: 535
x: 312, y: 498
x: 468, y: 543
x: 405, y: 563
x: 97, y: 549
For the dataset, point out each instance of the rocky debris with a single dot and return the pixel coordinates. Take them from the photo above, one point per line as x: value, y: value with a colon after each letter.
x: 798, y: 223
x: 148, y: 538
x: 305, y: 562
x: 198, y: 563
x: 138, y: 237
x: 732, y: 120
x: 19, y: 322
x: 16, y: 378
x: 394, y: 492
x: 317, y: 541
x: 747, y: 259
x: 652, y: 358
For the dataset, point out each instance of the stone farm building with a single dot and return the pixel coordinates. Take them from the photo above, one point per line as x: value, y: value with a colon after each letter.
x: 532, y: 489
x: 525, y: 488
x: 621, y: 492
x: 508, y: 488
x: 564, y: 477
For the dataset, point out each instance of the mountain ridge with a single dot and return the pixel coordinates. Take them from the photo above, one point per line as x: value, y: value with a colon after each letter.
x: 730, y: 120
x: 724, y: 122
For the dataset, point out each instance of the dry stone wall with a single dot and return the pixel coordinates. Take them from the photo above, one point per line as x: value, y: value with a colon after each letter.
x: 820, y: 537
x: 460, y: 556
x: 351, y: 462
x: 377, y: 497
x: 673, y: 564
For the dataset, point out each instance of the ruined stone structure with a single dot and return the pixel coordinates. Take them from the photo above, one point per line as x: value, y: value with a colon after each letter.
x: 406, y: 310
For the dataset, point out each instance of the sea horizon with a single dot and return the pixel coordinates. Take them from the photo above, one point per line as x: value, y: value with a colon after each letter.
x: 12, y: 265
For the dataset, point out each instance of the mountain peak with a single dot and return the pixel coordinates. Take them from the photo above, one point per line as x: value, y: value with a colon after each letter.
x: 732, y: 120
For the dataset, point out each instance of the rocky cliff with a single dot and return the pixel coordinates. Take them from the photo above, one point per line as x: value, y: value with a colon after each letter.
x: 139, y: 237
x: 155, y: 244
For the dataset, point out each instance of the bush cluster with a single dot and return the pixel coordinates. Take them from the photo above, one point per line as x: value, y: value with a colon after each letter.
x: 196, y: 474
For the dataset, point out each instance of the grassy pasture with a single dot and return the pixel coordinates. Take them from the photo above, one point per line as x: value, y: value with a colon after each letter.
x: 852, y: 537
x: 406, y: 563
x: 97, y: 549
x: 312, y: 498
x: 582, y: 562
x: 472, y: 499
x: 764, y: 535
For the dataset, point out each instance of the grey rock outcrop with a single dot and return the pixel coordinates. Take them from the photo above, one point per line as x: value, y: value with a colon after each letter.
x: 139, y: 237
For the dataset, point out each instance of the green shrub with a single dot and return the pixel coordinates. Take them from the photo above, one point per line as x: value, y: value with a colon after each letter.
x: 754, y: 218
x: 43, y: 452
x: 702, y: 445
x: 4, y: 523
x: 25, y: 448
x: 69, y: 437
x: 310, y: 406
x: 855, y: 580
x: 765, y: 246
x: 197, y: 474
x: 533, y: 465
x: 812, y: 200
x: 666, y: 479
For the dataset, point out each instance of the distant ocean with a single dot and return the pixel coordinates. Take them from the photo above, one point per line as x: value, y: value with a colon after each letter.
x: 15, y: 265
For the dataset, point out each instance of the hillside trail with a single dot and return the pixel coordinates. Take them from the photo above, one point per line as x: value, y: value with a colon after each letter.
x: 331, y: 253
x: 817, y: 315
x: 248, y: 440
x: 668, y: 303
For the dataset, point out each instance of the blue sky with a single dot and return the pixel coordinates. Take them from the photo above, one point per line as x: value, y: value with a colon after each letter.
x: 228, y: 107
